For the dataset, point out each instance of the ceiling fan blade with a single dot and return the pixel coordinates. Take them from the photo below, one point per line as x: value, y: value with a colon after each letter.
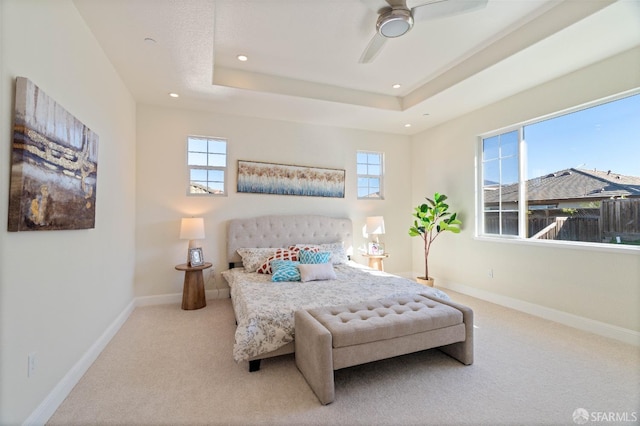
x: 378, y: 5
x: 373, y: 48
x: 444, y: 8
x: 375, y: 5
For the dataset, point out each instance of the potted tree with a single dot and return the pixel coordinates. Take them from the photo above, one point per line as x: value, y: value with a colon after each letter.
x: 431, y: 219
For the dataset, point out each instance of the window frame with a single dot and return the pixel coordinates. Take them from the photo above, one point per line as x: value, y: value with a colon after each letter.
x: 380, y: 177
x: 480, y: 234
x: 224, y: 169
x: 521, y: 173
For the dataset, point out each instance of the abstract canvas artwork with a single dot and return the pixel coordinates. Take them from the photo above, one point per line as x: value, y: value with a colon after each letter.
x: 282, y: 179
x: 54, y: 165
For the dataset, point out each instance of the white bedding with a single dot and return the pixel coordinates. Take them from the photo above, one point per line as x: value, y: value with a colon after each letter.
x: 265, y: 310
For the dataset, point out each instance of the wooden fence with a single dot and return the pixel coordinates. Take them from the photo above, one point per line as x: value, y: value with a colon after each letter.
x: 615, y: 218
x: 620, y: 218
x: 582, y: 228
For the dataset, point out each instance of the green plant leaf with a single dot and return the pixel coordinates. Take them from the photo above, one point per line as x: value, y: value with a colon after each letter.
x: 434, y: 216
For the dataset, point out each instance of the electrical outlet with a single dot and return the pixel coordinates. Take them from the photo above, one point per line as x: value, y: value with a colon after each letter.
x: 490, y: 273
x: 31, y: 364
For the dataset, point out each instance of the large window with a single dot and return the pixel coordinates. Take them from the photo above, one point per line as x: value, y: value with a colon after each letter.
x: 370, y: 169
x: 572, y: 177
x: 207, y: 162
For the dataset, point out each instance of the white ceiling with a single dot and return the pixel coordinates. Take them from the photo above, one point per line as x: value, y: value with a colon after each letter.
x: 303, y: 55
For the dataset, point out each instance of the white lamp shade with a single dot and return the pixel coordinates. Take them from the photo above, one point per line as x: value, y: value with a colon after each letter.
x: 375, y: 225
x: 192, y: 228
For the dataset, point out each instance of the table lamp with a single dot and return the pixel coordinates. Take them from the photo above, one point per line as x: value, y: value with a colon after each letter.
x: 192, y: 229
x: 375, y: 227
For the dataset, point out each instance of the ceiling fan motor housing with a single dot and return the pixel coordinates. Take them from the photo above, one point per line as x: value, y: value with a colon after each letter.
x: 394, y: 23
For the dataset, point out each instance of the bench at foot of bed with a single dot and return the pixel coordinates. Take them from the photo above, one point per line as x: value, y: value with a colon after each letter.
x: 331, y: 338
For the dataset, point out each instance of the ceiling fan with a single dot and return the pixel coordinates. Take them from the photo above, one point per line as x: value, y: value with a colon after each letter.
x: 396, y: 19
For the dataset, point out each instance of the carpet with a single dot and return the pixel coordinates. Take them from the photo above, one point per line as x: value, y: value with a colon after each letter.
x: 167, y: 366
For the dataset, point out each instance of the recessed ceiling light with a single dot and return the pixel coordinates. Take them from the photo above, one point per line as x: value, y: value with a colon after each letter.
x: 150, y: 40
x: 407, y: 125
x: 396, y: 86
x: 174, y: 95
x: 243, y: 58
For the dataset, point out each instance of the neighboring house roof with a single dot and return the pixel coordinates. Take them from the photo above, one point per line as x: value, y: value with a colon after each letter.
x: 572, y: 184
x: 197, y: 188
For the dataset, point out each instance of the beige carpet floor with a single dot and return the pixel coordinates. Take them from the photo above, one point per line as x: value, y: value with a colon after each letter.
x: 172, y: 367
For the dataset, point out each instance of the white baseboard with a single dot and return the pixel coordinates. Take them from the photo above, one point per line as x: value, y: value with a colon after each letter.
x: 51, y: 403
x: 586, y: 324
x: 223, y: 293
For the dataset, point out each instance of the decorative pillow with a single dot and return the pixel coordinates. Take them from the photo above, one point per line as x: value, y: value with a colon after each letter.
x: 306, y: 256
x: 316, y: 272
x: 285, y: 270
x: 338, y: 253
x: 283, y: 254
x: 308, y: 247
x: 252, y: 258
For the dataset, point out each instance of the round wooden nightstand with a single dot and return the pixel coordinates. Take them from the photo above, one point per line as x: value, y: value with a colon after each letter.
x: 376, y: 260
x: 193, y: 296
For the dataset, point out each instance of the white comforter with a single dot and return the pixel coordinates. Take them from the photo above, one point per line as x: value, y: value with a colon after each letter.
x: 265, y: 310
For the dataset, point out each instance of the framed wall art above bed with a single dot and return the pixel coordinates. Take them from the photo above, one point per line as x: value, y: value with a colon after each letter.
x: 283, y: 179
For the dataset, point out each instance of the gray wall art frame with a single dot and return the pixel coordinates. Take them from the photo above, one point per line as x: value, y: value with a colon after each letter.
x: 54, y: 165
x: 284, y: 179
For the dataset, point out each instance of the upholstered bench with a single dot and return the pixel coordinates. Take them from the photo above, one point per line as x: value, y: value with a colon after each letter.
x: 331, y: 338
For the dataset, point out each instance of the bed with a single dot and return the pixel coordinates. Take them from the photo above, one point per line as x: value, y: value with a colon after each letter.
x: 264, y: 309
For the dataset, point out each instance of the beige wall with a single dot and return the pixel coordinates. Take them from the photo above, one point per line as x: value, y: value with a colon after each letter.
x: 59, y: 290
x: 162, y: 181
x: 595, y: 284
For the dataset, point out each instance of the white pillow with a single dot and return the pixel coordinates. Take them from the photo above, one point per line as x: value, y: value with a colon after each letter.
x: 252, y: 258
x: 316, y: 272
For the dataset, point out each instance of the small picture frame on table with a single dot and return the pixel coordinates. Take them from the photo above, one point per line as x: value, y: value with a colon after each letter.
x: 195, y: 257
x: 376, y: 249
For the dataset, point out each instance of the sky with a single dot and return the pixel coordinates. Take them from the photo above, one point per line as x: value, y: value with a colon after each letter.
x: 604, y: 137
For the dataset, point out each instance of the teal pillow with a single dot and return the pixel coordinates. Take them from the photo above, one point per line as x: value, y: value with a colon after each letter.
x: 307, y: 257
x: 284, y: 270
x: 277, y: 263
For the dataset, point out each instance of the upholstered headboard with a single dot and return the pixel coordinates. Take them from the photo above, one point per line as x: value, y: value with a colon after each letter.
x: 286, y: 230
